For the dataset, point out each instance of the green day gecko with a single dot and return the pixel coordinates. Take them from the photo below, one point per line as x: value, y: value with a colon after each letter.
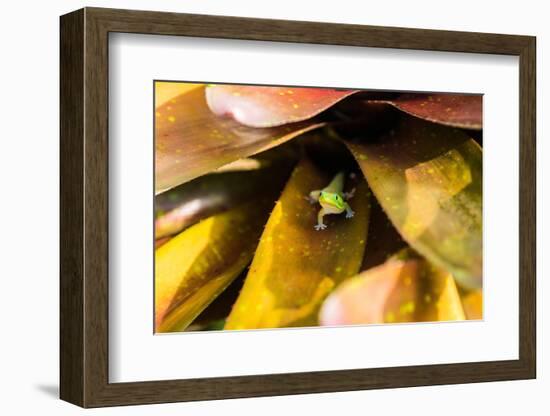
x: 332, y: 199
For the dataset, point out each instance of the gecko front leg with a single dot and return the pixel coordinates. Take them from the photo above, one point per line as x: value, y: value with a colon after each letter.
x: 349, y: 211
x: 320, y: 225
x: 350, y: 194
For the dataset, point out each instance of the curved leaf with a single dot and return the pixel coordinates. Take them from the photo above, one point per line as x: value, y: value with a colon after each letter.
x: 191, y: 141
x: 184, y: 205
x: 428, y: 180
x: 456, y: 110
x: 161, y: 241
x: 194, y: 267
x: 400, y: 290
x: 216, y: 313
x: 295, y: 267
x: 259, y: 106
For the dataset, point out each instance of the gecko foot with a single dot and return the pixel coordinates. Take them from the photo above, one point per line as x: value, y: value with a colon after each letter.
x: 350, y: 214
x: 320, y: 227
x: 310, y: 199
x: 350, y: 194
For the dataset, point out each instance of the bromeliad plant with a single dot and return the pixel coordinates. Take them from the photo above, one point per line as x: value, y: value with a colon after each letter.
x: 280, y: 207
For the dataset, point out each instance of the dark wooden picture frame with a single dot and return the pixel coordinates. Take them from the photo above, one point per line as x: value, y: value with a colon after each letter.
x: 84, y: 207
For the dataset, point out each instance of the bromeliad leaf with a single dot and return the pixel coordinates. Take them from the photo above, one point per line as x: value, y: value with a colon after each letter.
x: 167, y: 92
x: 160, y: 241
x: 257, y: 106
x: 472, y: 301
x: 427, y: 178
x: 191, y: 141
x: 296, y: 267
x: 404, y: 289
x: 186, y: 204
x: 383, y: 240
x: 194, y: 267
x: 456, y: 110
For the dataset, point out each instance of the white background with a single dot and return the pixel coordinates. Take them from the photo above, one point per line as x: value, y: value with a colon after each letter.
x: 29, y: 163
x: 135, y: 355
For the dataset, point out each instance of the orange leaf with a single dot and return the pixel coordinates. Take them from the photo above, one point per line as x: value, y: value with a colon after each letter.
x: 400, y: 290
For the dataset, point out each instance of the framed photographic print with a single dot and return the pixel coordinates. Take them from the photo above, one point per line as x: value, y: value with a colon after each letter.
x: 256, y: 207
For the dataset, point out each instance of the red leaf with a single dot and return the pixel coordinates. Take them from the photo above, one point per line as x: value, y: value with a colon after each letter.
x: 256, y: 106
x: 456, y: 110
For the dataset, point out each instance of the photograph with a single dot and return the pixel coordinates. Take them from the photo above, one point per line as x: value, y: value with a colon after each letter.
x: 303, y: 206
x: 272, y: 204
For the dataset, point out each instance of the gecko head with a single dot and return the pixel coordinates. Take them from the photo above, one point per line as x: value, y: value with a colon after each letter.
x: 332, y: 201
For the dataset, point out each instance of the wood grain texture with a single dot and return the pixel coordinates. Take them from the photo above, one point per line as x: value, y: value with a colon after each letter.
x: 527, y: 208
x: 84, y: 207
x: 71, y: 217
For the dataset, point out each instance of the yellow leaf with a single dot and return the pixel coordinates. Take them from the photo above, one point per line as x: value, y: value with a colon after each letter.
x: 473, y: 304
x: 194, y: 267
x: 295, y: 267
x: 427, y: 178
x: 166, y: 92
